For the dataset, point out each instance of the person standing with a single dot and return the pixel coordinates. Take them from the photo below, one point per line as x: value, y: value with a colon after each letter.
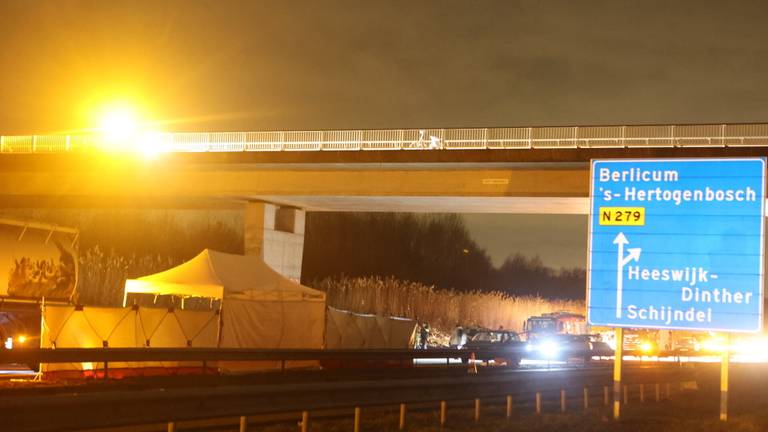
x: 424, y: 335
x: 458, y: 338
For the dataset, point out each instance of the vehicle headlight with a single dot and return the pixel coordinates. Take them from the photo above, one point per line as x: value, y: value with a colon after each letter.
x: 548, y: 348
x: 646, y: 347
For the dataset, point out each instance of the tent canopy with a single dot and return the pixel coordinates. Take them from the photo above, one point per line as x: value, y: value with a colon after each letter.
x: 214, y: 274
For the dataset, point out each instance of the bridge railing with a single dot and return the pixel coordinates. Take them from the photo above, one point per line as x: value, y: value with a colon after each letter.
x: 710, y: 135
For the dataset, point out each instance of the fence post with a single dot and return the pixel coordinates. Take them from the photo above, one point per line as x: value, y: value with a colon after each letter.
x: 668, y: 391
x: 443, y: 408
x: 305, y: 421
x: 171, y: 427
x: 477, y: 410
x: 626, y: 394
x: 357, y: 419
x: 401, y: 425
x: 538, y: 402
x: 509, y: 406
x: 562, y: 400
x: 586, y: 398
x: 243, y: 424
x: 605, y: 396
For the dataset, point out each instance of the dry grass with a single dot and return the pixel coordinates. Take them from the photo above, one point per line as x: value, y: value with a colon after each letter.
x: 441, y: 308
x: 102, y: 275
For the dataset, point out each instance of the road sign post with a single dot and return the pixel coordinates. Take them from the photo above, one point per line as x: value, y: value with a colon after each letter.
x: 676, y: 244
x: 617, y: 363
x: 724, y: 362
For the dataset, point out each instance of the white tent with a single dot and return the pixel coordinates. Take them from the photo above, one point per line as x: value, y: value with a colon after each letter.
x: 216, y: 275
x: 67, y: 326
x: 260, y: 307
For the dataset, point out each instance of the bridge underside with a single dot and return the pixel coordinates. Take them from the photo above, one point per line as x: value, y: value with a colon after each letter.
x: 411, y: 204
x: 435, y: 204
x: 459, y: 188
x: 478, y: 181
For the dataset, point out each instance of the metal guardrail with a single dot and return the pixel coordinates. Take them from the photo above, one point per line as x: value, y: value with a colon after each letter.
x: 99, y: 355
x: 652, y: 136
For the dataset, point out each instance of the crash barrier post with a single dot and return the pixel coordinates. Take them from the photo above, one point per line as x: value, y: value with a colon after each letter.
x: 356, y: 427
x: 442, y: 413
x: 171, y: 427
x: 605, y: 396
x: 658, y: 392
x: 304, y: 421
x: 401, y: 424
x: 562, y: 400
x: 509, y: 406
x: 538, y: 402
x: 477, y: 410
x: 243, y: 424
x: 642, y: 393
x: 586, y: 398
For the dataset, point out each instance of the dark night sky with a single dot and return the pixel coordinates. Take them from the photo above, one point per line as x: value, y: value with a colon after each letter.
x: 225, y: 65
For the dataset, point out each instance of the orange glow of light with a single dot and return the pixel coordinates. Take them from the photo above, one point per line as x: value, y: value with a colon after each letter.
x: 119, y: 123
x: 123, y: 130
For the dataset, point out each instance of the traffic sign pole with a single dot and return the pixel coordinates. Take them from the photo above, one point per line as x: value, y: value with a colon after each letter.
x: 617, y: 362
x: 724, y: 362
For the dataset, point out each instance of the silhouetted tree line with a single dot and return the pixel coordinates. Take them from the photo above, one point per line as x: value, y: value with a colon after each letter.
x: 163, y: 234
x: 522, y: 275
x: 430, y: 249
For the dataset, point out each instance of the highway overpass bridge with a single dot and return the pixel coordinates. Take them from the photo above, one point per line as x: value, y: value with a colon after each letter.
x: 278, y: 175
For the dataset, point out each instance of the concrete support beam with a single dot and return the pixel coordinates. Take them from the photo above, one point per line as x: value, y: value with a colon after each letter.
x: 276, y: 234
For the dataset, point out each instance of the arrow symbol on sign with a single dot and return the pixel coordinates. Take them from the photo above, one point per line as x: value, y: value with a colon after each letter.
x: 634, y: 255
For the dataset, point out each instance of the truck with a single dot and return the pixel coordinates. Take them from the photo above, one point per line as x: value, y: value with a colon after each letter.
x: 562, y: 322
x: 562, y: 335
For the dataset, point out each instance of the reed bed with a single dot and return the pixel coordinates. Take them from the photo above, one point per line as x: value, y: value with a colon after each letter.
x: 443, y: 309
x: 102, y: 274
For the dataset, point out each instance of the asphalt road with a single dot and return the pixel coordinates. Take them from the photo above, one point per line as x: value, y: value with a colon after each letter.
x: 279, y: 396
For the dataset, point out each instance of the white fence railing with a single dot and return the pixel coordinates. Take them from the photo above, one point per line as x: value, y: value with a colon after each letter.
x: 723, y: 135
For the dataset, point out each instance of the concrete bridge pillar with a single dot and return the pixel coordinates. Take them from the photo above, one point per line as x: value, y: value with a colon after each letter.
x: 276, y: 234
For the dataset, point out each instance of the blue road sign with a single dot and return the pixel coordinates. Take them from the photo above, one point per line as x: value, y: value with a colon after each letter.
x: 677, y: 244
